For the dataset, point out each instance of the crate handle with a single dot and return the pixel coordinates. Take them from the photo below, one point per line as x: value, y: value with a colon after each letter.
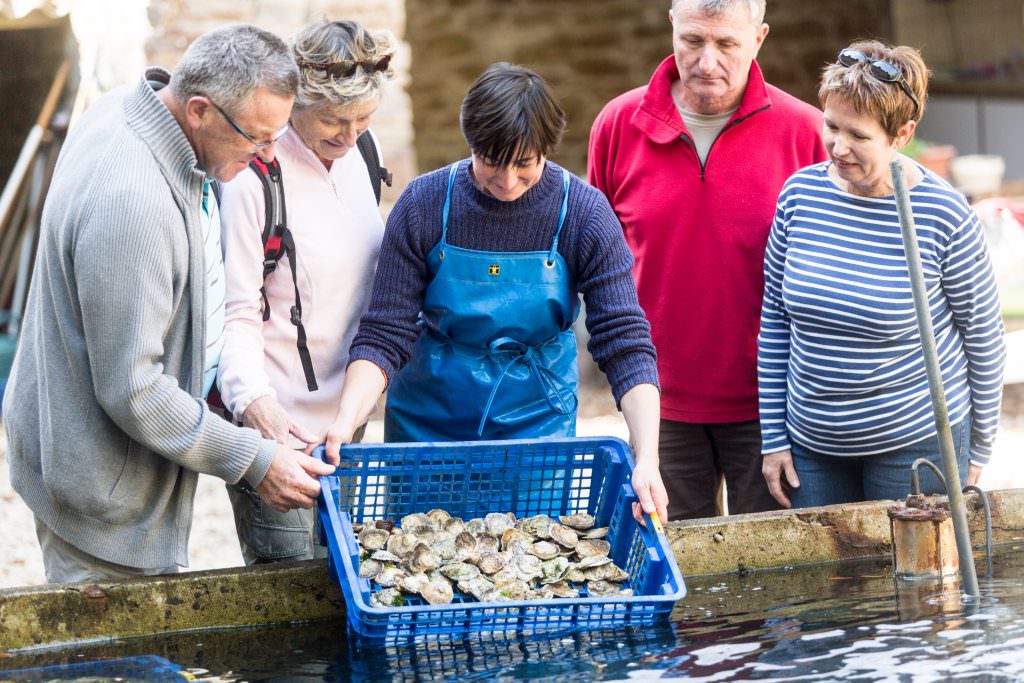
x: 649, y: 533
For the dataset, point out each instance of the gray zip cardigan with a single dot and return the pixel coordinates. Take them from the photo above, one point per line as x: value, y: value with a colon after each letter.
x: 105, y: 424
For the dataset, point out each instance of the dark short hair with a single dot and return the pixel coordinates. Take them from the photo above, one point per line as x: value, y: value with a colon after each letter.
x: 510, y: 110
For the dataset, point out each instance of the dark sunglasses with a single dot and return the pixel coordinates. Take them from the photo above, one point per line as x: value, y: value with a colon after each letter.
x: 347, y: 67
x: 881, y: 70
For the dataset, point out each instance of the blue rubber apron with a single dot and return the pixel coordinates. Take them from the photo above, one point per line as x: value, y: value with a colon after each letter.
x: 497, y: 355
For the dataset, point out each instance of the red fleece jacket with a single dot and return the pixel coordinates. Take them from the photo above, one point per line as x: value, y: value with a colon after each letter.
x: 698, y: 233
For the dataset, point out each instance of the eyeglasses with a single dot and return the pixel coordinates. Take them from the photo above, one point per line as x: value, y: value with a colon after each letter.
x: 259, y: 145
x: 884, y: 71
x: 347, y: 67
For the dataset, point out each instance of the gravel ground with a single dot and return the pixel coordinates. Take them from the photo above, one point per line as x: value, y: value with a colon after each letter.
x: 214, y: 544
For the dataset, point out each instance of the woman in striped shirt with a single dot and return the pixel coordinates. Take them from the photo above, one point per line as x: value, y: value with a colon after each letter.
x: 844, y: 398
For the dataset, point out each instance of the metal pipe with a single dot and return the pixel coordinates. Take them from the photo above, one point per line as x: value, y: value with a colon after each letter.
x: 915, y: 481
x: 931, y: 361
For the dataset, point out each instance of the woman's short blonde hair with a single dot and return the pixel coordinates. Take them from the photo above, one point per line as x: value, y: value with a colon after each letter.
x: 329, y: 42
x: 886, y: 102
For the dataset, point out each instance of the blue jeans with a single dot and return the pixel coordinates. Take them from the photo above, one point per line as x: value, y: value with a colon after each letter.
x: 828, y: 480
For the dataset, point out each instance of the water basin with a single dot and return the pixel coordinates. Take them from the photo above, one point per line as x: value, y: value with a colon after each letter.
x: 836, y: 622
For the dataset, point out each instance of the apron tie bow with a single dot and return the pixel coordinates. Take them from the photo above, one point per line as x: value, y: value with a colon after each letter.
x: 554, y: 387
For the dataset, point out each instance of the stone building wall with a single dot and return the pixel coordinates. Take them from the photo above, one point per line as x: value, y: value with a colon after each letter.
x: 177, y: 22
x: 592, y: 50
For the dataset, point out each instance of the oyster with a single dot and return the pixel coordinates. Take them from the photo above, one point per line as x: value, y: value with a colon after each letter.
x: 593, y: 548
x: 537, y: 526
x: 413, y: 584
x: 445, y: 548
x: 606, y: 572
x: 401, y: 544
x: 385, y: 524
x: 455, y: 525
x: 476, y: 526
x: 581, y: 521
x: 516, y: 589
x: 545, y: 550
x: 389, y: 597
x: 564, y: 536
x: 486, y: 543
x: 370, y: 568
x: 373, y: 538
x: 511, y: 536
x: 389, y: 576
x: 422, y: 558
x: 498, y: 522
x: 603, y: 588
x: 491, y: 563
x: 477, y: 587
x: 416, y: 521
x: 385, y: 556
x: 440, y: 518
x: 559, y: 589
x: 526, y: 567
x: 593, y: 561
x: 596, y: 532
x: 518, y: 547
x: 465, y: 546
x: 460, y: 571
x: 554, y: 570
x: 575, y: 574
x: 438, y: 592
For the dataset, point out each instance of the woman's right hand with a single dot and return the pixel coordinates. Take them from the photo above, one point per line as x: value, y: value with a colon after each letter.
x: 338, y: 434
x: 267, y: 417
x: 772, y: 467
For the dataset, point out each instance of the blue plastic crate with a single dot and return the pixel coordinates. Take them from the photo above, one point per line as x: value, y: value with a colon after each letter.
x: 471, y: 479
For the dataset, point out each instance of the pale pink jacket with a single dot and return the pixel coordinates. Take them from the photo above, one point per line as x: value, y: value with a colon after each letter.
x: 338, y: 229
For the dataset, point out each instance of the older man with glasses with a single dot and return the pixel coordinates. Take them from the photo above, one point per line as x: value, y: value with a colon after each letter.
x: 692, y: 163
x: 106, y: 420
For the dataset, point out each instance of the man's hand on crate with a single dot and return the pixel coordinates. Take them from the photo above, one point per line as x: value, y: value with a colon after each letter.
x: 291, y: 482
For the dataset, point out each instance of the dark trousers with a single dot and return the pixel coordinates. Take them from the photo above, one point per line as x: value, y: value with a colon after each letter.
x: 695, y: 457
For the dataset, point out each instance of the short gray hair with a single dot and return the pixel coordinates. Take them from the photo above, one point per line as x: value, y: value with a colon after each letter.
x: 713, y: 8
x: 228, y: 64
x: 328, y: 42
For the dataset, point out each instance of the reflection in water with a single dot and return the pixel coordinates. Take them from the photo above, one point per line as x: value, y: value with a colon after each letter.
x: 821, y: 624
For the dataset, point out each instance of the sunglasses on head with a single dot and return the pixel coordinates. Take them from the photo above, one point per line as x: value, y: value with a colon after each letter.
x: 881, y: 70
x: 347, y: 67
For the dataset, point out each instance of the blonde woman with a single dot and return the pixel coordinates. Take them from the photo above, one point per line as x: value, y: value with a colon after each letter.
x: 287, y: 332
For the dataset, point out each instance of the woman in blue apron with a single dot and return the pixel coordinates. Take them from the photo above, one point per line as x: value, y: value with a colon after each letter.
x: 478, y: 285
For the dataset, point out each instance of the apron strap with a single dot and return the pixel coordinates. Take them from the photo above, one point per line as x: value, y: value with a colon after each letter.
x: 447, y: 206
x: 561, y: 218
x: 552, y: 385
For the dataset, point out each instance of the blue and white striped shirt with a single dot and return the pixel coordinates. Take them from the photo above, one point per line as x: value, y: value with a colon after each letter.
x: 840, y: 367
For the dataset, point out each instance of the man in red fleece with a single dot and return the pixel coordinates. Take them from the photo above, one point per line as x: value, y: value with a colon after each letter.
x: 693, y: 163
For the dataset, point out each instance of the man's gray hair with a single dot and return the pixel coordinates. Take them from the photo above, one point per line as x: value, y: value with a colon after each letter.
x: 228, y: 64
x: 713, y: 8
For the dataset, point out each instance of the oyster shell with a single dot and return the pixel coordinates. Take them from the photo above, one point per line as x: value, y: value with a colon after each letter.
x: 389, y: 597
x: 460, y: 571
x: 498, y: 522
x: 516, y: 589
x: 603, y: 588
x: 476, y: 526
x: 455, y: 525
x: 537, y: 526
x: 385, y: 556
x: 445, y: 549
x: 596, y: 532
x: 373, y: 538
x: 559, y: 589
x: 491, y: 563
x: 370, y: 568
x: 545, y: 550
x: 485, y: 543
x: 593, y: 561
x: 438, y: 592
x: 465, y: 546
x: 564, y: 536
x: 593, y: 548
x: 389, y: 576
x: 440, y: 518
x: 415, y: 521
x: 554, y: 570
x: 512, y: 535
x: 413, y: 583
x: 477, y: 587
x: 422, y: 558
x: 526, y: 567
x: 575, y: 574
x: 606, y: 572
x: 581, y: 521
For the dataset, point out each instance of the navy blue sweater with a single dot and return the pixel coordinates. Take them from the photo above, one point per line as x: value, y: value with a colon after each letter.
x: 591, y: 243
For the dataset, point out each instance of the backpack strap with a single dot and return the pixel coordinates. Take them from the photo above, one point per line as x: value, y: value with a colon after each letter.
x: 277, y: 242
x: 378, y: 174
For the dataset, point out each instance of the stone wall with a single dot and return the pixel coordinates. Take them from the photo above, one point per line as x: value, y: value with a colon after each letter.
x: 177, y: 22
x: 591, y: 51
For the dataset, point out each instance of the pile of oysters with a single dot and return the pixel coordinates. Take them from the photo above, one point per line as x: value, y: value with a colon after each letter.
x: 493, y: 558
